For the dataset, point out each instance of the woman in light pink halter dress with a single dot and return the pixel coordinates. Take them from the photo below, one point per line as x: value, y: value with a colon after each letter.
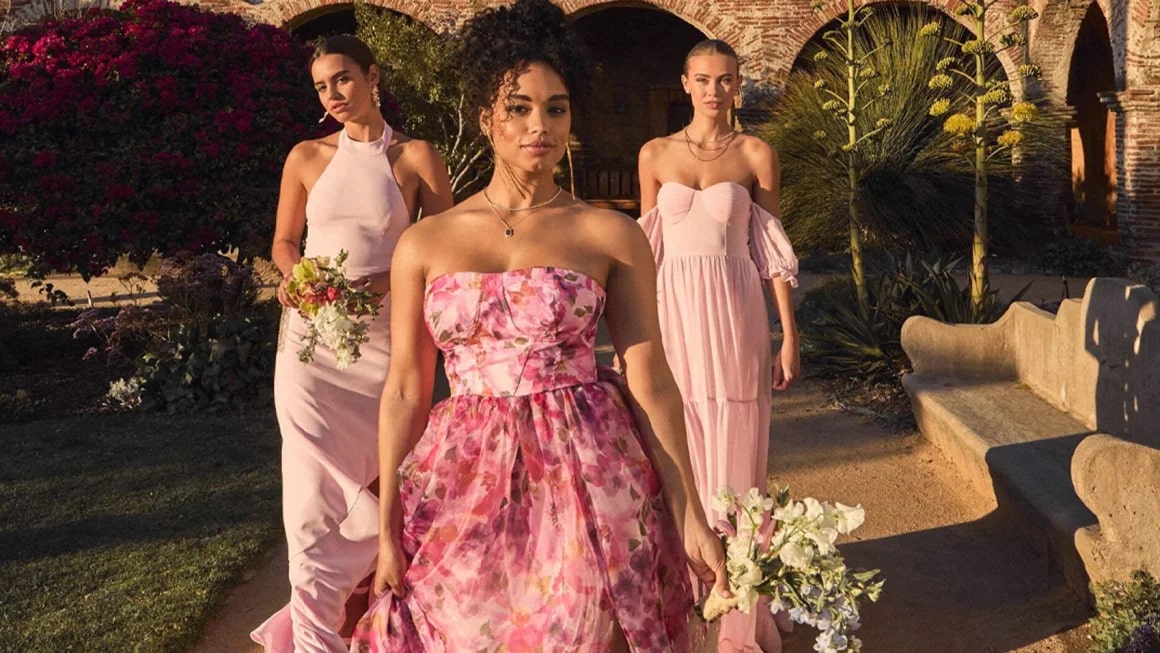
x: 354, y: 190
x: 709, y: 201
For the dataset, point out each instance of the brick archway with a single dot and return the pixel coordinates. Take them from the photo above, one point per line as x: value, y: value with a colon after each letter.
x: 1010, y: 60
x: 292, y: 13
x: 1053, y: 41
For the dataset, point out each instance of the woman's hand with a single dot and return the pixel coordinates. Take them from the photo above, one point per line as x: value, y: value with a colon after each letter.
x: 706, y: 556
x: 787, y: 366
x: 284, y: 298
x: 391, y: 567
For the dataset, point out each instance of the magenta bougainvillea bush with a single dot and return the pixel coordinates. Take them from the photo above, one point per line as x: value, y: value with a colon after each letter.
x: 154, y: 128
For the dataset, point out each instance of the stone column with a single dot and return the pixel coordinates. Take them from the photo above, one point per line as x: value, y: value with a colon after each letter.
x: 1138, y: 169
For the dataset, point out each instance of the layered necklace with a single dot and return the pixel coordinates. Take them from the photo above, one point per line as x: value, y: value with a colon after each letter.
x: 707, y: 145
x: 510, y: 227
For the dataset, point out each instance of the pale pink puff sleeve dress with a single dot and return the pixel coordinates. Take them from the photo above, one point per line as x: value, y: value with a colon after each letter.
x: 713, y: 248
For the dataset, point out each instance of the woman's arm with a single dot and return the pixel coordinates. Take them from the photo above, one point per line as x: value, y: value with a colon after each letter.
x: 646, y: 172
x: 404, y: 405
x: 767, y: 195
x: 290, y: 219
x: 656, y: 401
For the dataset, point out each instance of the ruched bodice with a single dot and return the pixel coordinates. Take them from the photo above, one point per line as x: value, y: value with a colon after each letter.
x: 710, y: 222
x: 532, y: 517
x: 515, y: 333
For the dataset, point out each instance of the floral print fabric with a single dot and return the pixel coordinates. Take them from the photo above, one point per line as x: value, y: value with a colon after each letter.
x: 533, y: 517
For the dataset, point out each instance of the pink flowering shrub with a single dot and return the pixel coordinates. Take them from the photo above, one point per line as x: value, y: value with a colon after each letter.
x: 156, y: 128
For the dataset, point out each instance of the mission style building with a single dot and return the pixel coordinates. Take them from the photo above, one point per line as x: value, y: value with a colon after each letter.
x: 1100, y: 62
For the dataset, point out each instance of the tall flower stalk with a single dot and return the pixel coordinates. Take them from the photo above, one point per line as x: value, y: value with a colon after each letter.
x: 847, y: 105
x: 975, y: 117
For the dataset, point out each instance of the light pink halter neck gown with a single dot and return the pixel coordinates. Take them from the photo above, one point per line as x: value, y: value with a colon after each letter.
x: 713, y: 247
x: 329, y: 417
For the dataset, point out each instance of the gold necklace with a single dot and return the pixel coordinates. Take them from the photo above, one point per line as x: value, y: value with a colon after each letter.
x: 509, y: 228
x: 720, y: 153
x: 701, y: 144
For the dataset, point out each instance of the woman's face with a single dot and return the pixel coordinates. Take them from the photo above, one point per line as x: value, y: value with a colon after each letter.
x: 530, y: 121
x: 712, y: 81
x: 343, y: 88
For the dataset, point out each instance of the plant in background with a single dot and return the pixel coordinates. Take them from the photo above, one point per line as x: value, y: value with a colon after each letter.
x: 84, y: 181
x: 973, y: 116
x: 850, y: 107
x: 419, y: 64
x: 1127, y: 614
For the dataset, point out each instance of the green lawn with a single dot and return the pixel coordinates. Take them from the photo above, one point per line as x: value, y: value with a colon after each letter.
x: 124, y: 532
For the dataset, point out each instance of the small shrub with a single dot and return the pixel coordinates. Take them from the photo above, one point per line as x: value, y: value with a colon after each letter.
x: 1146, y: 637
x: 203, y: 288
x: 18, y: 406
x: 1079, y: 257
x: 1127, y: 614
x: 227, y: 367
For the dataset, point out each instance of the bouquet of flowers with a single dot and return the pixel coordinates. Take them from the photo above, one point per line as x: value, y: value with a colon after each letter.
x: 784, y: 550
x: 332, y: 305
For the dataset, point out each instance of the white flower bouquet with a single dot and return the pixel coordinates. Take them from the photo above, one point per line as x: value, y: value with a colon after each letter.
x: 785, y: 551
x: 332, y: 306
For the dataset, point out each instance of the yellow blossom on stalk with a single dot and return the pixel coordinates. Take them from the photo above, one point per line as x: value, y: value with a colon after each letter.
x: 996, y: 96
x: 930, y: 29
x: 820, y: 84
x: 832, y: 105
x: 941, y: 82
x: 820, y: 135
x: 1010, y: 138
x: 940, y: 107
x: 883, y: 123
x: 975, y: 46
x: 959, y: 124
x: 1024, y: 112
x: 1030, y: 70
x: 944, y: 64
x: 1022, y: 13
x: 821, y: 56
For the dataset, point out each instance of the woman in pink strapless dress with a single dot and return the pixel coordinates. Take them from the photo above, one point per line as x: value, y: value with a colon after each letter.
x: 709, y: 201
x: 538, y: 508
x: 355, y: 190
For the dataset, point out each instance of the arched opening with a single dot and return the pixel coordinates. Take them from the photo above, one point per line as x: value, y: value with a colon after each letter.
x: 324, y: 22
x: 1093, y: 134
x: 636, y: 96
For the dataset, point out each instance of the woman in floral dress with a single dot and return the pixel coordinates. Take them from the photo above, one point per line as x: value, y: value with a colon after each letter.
x: 538, y: 508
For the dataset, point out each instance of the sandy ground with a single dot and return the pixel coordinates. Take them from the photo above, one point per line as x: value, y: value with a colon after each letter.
x: 958, y: 577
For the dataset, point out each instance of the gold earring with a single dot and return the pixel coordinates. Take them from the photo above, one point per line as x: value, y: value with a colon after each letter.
x: 571, y: 170
x: 376, y: 97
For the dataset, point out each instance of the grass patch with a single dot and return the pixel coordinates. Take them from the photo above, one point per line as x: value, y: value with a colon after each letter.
x: 123, y: 532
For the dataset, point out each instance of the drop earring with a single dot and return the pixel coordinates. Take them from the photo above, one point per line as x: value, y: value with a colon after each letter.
x: 323, y: 118
x: 376, y: 97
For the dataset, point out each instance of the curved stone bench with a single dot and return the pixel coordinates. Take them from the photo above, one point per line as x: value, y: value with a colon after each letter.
x: 1010, y: 402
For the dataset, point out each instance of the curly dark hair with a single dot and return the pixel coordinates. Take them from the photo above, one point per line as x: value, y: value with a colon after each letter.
x: 496, y: 44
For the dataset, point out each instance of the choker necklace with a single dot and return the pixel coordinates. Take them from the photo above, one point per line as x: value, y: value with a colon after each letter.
x: 509, y: 228
x: 518, y: 209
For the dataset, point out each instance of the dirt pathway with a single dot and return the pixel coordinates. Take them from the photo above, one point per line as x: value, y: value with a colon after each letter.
x: 958, y: 579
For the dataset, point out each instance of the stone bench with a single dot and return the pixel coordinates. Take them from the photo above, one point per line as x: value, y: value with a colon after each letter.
x: 1054, y: 417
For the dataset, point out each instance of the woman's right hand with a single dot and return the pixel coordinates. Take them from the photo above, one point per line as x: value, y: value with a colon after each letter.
x: 391, y: 567
x: 706, y: 556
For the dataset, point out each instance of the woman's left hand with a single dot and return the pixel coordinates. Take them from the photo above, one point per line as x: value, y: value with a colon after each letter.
x: 787, y: 365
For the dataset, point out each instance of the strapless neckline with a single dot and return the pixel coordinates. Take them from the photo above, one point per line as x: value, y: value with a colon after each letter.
x: 702, y: 190
x: 589, y: 279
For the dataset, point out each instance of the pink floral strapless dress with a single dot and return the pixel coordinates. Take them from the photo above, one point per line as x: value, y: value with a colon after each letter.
x: 533, y: 517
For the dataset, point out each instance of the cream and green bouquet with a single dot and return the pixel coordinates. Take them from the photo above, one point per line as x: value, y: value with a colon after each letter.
x: 784, y: 551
